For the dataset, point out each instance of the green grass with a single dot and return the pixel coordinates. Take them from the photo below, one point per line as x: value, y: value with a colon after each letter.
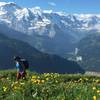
x: 48, y: 86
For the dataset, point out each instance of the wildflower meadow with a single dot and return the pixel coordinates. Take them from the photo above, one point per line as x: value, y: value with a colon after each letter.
x: 49, y: 86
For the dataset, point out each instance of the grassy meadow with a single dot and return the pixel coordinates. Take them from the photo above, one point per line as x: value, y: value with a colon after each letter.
x: 49, y: 86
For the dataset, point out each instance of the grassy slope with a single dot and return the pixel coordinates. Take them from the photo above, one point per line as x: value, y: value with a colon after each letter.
x: 47, y: 86
x: 42, y: 62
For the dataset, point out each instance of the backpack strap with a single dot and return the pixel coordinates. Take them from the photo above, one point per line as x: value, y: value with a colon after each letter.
x: 22, y: 65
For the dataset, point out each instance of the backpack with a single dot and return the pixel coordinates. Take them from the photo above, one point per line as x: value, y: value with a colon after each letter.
x: 25, y: 63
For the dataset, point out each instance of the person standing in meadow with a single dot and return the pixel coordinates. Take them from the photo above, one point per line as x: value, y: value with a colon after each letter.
x: 21, y: 66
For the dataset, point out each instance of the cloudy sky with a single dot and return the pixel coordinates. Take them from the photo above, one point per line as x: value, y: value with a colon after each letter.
x: 69, y: 6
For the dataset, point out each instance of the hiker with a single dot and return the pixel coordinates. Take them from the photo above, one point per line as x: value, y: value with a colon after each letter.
x: 21, y: 65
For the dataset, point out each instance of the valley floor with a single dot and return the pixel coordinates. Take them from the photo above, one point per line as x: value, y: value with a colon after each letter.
x: 92, y: 73
x: 49, y: 86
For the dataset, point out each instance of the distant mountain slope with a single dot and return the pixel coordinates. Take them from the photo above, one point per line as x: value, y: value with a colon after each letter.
x: 89, y: 49
x: 48, y: 31
x: 39, y: 62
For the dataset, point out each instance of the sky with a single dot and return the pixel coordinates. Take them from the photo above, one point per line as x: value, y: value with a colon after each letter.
x: 68, y: 6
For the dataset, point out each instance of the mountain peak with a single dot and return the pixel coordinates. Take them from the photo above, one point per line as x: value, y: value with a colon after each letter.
x: 5, y: 3
x: 30, y: 20
x: 36, y: 10
x: 8, y: 6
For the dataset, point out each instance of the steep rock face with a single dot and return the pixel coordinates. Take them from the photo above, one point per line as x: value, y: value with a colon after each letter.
x: 39, y: 62
x: 47, y: 29
x: 89, y: 49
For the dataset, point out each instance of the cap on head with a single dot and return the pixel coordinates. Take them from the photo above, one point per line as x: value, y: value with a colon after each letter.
x: 17, y: 58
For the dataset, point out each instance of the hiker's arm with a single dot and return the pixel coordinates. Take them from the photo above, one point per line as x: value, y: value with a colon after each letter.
x: 17, y: 66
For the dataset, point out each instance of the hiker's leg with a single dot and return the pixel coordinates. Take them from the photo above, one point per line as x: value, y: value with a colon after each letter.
x: 24, y: 75
x: 18, y: 75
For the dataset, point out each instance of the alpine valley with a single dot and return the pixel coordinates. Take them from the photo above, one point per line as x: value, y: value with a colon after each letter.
x: 67, y: 35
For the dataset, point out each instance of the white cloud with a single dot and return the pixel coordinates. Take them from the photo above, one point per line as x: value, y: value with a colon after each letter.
x: 51, y: 3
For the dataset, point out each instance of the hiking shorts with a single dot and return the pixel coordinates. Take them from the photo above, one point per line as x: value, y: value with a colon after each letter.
x: 21, y: 75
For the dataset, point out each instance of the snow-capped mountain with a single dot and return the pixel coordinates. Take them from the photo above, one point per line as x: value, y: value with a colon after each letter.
x: 48, y: 31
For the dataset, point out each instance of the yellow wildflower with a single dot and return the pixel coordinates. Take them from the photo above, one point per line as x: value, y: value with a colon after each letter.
x: 47, y: 79
x: 34, y: 77
x: 38, y: 81
x: 4, y: 89
x: 97, y: 81
x: 43, y: 81
x: 94, y: 98
x: 15, y: 87
x: 35, y: 81
x: 98, y: 91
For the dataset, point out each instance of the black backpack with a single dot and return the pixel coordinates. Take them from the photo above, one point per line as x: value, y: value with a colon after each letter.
x: 25, y: 63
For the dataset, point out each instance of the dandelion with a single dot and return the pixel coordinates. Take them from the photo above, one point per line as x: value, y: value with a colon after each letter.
x: 15, y: 87
x: 38, y: 81
x: 98, y: 91
x: 33, y: 80
x: 34, y: 77
x: 94, y: 98
x: 42, y: 81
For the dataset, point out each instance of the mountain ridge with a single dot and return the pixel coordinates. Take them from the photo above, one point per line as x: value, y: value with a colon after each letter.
x: 43, y: 27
